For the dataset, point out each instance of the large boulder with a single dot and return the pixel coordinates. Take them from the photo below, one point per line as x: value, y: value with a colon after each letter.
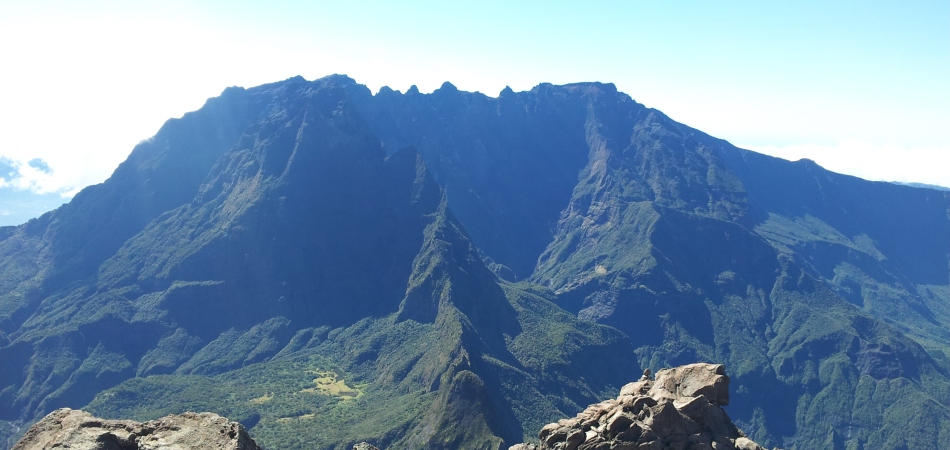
x: 681, y: 409
x: 693, y: 380
x: 79, y: 430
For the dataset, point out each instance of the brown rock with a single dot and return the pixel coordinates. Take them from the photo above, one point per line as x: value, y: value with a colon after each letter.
x: 666, y: 420
x: 680, y: 409
x: 558, y: 435
x: 640, y: 403
x: 547, y: 430
x: 75, y: 429
x: 636, y: 388
x: 575, y: 439
x: 744, y: 443
x: 632, y: 433
x: 618, y: 422
x: 692, y: 380
x: 523, y: 447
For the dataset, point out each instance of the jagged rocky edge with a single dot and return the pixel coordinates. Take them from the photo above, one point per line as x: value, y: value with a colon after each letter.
x: 73, y: 428
x: 681, y: 409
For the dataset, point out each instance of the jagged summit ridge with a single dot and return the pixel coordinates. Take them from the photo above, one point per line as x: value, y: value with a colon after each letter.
x: 473, y: 253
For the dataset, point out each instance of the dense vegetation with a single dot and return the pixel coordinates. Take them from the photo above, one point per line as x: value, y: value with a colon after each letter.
x: 454, y: 270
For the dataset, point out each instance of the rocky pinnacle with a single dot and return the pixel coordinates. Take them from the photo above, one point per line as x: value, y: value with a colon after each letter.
x: 681, y: 409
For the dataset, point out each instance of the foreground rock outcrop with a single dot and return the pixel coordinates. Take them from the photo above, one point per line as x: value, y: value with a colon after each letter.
x: 75, y: 429
x: 680, y: 409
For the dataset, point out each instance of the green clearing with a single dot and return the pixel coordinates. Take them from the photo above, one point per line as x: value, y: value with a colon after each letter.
x: 331, y: 382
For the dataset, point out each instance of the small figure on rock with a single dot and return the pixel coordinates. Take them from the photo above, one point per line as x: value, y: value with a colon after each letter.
x: 647, y: 375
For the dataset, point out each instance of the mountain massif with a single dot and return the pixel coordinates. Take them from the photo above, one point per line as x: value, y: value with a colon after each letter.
x: 452, y: 270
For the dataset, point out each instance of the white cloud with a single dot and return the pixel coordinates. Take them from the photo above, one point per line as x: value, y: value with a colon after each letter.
x: 879, y: 162
x: 32, y: 175
x: 84, y: 92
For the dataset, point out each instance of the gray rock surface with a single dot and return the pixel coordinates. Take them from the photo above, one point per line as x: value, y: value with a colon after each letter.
x: 681, y: 409
x: 79, y: 430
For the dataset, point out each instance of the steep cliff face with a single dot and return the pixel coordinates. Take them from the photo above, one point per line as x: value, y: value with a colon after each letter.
x: 799, y: 278
x: 313, y: 267
x: 452, y: 258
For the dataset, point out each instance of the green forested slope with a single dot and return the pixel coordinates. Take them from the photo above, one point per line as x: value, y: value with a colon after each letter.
x: 328, y: 265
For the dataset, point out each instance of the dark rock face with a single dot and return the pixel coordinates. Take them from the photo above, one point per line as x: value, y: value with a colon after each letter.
x: 67, y: 428
x: 681, y: 409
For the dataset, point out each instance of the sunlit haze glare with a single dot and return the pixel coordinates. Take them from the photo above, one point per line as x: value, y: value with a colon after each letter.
x: 859, y: 87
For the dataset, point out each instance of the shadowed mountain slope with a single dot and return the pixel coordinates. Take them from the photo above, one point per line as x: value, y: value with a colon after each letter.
x: 312, y: 269
x: 328, y: 266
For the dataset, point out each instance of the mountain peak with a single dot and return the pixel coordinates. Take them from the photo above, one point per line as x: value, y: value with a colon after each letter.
x: 293, y: 247
x: 447, y: 87
x: 337, y: 79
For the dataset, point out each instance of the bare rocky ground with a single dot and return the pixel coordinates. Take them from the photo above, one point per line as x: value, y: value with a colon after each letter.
x: 679, y: 410
x: 79, y: 430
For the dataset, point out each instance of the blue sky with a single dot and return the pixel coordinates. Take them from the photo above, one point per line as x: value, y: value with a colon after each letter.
x: 860, y: 87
